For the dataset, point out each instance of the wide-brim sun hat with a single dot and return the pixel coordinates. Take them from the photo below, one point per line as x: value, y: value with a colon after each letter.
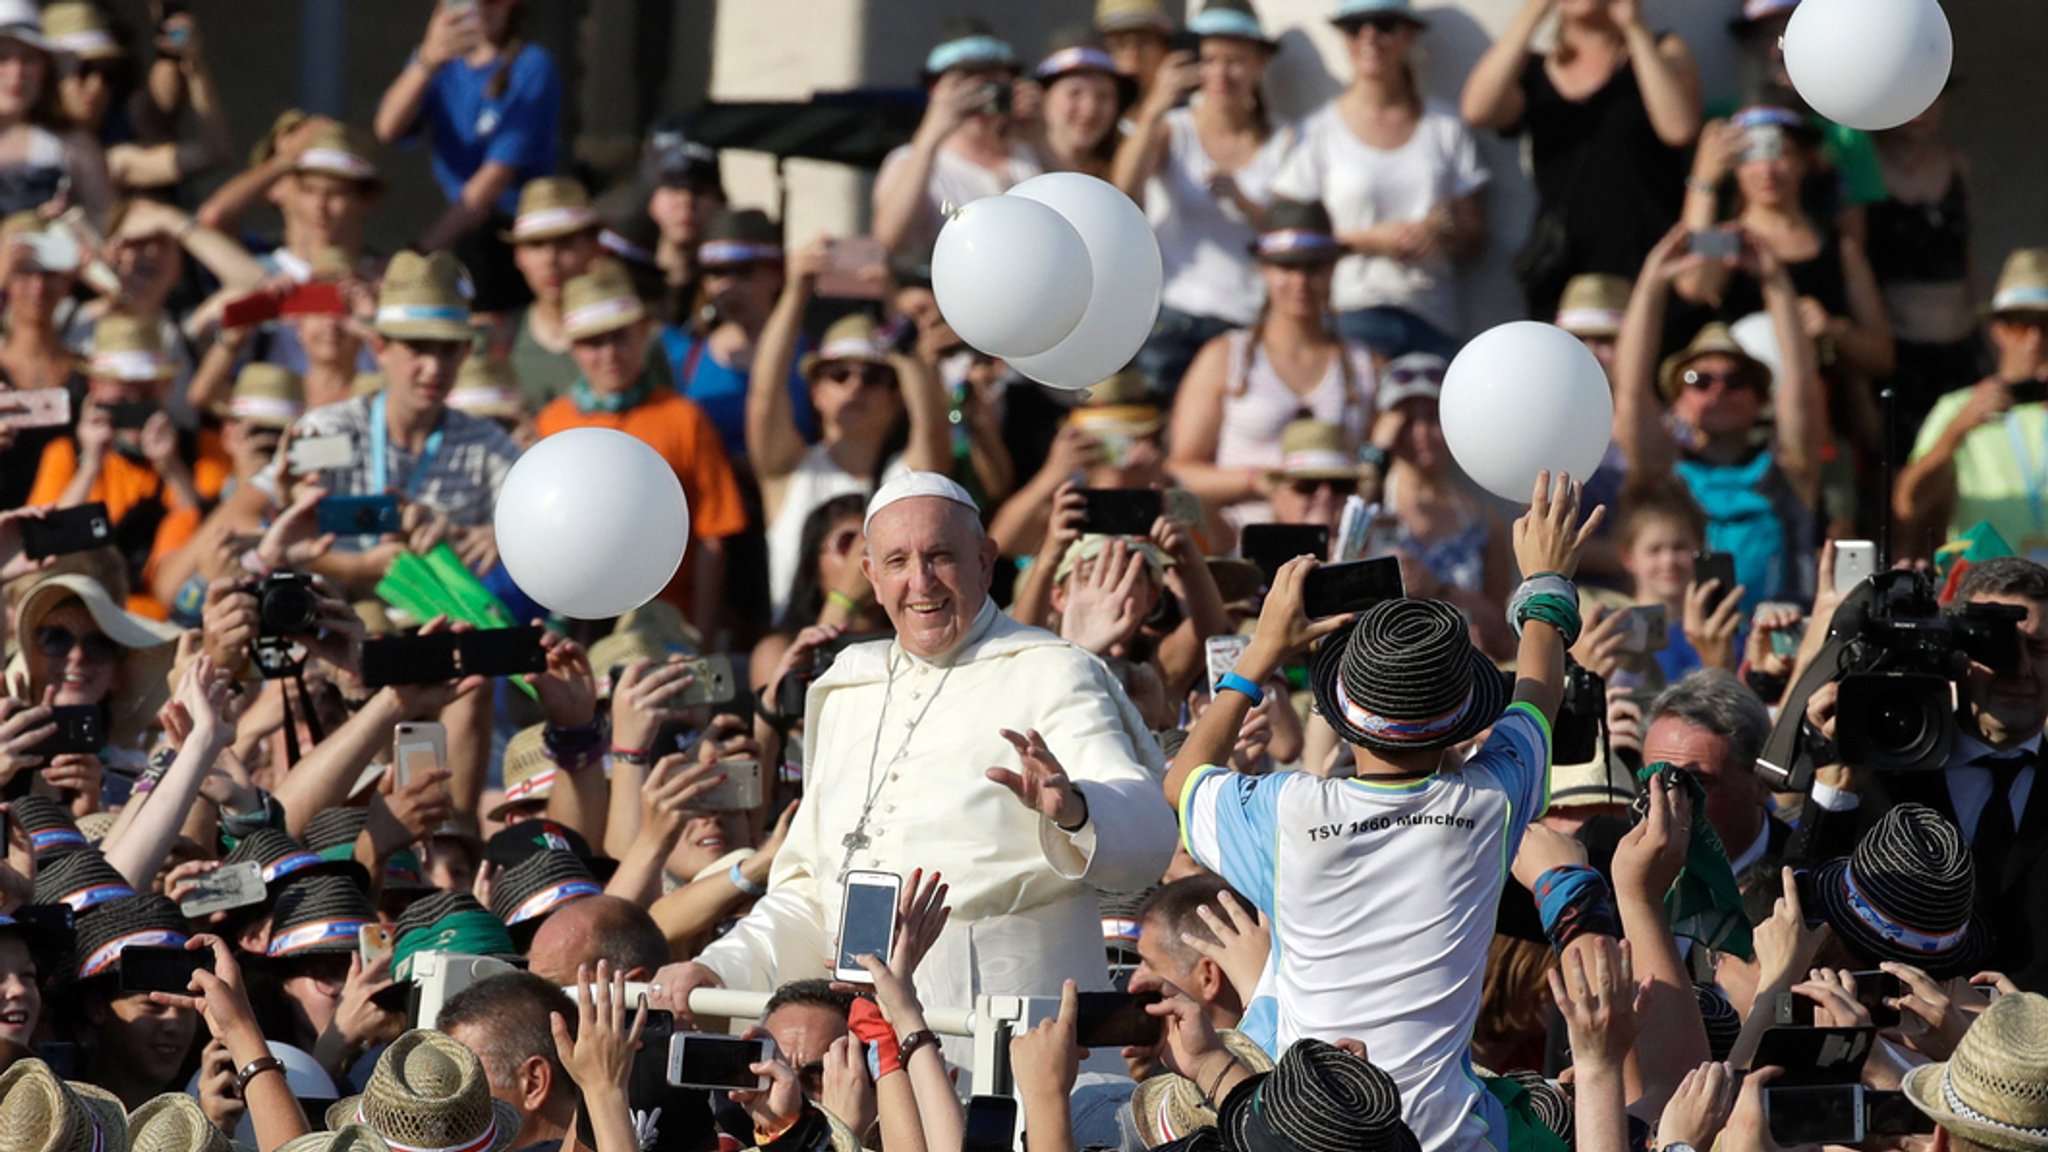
x: 318, y: 916
x: 1713, y: 339
x: 1906, y: 894
x: 1297, y: 234
x: 174, y: 1122
x: 1077, y: 59
x: 21, y: 21
x: 125, y: 922
x: 1406, y: 677
x: 425, y: 298
x: 39, y: 1112
x: 1232, y: 20
x: 1168, y: 1107
x: 149, y: 648
x: 1318, y: 1098
x: 427, y: 1091
x: 1993, y: 1091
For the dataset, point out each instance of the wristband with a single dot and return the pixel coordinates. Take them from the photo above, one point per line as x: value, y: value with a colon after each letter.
x: 842, y: 600
x: 639, y: 756
x: 255, y: 1068
x: 1544, y: 584
x: 1373, y: 455
x: 1232, y: 682
x: 907, y: 1046
x: 740, y: 881
x: 1556, y: 611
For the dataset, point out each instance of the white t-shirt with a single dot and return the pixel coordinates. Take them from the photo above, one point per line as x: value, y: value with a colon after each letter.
x: 955, y: 180
x: 1362, y: 186
x: 1204, y: 241
x: 1382, y: 898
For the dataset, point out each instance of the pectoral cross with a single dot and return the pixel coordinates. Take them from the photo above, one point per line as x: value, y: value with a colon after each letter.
x: 854, y: 841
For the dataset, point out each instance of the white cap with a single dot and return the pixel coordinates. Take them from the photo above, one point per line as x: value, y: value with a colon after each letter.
x: 911, y: 485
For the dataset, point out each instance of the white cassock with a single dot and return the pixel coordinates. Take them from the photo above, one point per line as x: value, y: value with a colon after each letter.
x: 1022, y: 891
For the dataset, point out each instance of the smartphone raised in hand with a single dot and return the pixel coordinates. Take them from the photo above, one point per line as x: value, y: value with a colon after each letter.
x: 724, y: 1063
x: 62, y: 531
x: 160, y: 967
x: 1352, y: 586
x: 867, y: 922
x: 1717, y: 566
x: 229, y: 886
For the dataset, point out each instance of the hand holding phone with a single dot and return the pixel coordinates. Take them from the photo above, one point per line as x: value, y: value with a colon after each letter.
x: 1715, y: 566
x: 867, y: 923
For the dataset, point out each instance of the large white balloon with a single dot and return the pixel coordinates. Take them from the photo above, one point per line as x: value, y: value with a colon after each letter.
x: 592, y: 523
x: 1522, y: 398
x: 1011, y: 276
x: 1125, y: 257
x: 1870, y: 64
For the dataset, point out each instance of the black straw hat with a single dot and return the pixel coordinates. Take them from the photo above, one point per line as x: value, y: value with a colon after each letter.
x: 332, y: 827
x: 1906, y: 894
x: 123, y: 923
x: 1297, y: 234
x: 318, y: 916
x: 739, y: 236
x: 285, y: 860
x: 51, y: 830
x: 1405, y: 677
x: 538, y: 885
x: 512, y: 846
x: 82, y: 879
x: 1319, y: 1098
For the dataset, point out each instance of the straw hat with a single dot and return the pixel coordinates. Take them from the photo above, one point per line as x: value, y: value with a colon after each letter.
x: 1713, y: 339
x: 488, y: 388
x: 173, y: 1122
x: 529, y: 772
x: 1313, y: 450
x: 599, y: 301
x: 551, y: 207
x: 1593, y: 304
x: 427, y: 1091
x: 852, y: 337
x: 1232, y: 19
x: 81, y: 30
x: 2022, y: 284
x: 1121, y: 406
x: 128, y: 348
x: 267, y: 395
x: 94, y: 826
x: 665, y: 623
x: 41, y: 1113
x: 425, y: 298
x: 341, y: 150
x: 79, y: 879
x: 1169, y: 1107
x: 1132, y: 15
x: 318, y: 916
x: 121, y: 923
x: 1601, y: 780
x: 1091, y: 544
x: 347, y: 1138
x: 140, y: 686
x: 1994, y: 1090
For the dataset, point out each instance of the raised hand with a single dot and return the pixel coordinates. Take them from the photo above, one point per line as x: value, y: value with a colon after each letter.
x: 1595, y: 989
x: 1699, y: 1108
x: 1102, y: 603
x: 567, y: 690
x: 1047, y: 1059
x: 1549, y: 536
x: 1243, y: 941
x: 1043, y: 786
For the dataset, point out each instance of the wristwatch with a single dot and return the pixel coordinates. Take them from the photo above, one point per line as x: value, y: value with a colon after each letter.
x: 1678, y: 1146
x: 908, y: 1045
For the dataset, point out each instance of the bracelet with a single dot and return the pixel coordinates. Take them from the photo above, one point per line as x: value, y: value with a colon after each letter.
x: 1699, y: 185
x: 1373, y: 455
x: 1556, y: 611
x: 1232, y: 682
x: 638, y: 756
x: 255, y: 1068
x: 740, y: 881
x: 908, y: 1045
x: 841, y: 600
x: 1542, y: 583
x: 1209, y: 1096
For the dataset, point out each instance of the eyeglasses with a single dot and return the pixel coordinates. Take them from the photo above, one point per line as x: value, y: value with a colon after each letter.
x: 1700, y: 381
x: 1386, y: 24
x: 867, y: 374
x: 56, y: 644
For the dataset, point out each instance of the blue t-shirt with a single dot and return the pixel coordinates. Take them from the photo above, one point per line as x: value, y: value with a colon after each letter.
x: 721, y: 390
x: 471, y: 130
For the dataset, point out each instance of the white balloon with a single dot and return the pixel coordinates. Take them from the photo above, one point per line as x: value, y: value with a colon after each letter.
x: 592, y: 523
x: 1522, y: 398
x: 1125, y: 257
x: 1758, y: 335
x: 1869, y: 64
x: 1011, y: 276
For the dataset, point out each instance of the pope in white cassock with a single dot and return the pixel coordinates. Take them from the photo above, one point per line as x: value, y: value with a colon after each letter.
x: 900, y: 740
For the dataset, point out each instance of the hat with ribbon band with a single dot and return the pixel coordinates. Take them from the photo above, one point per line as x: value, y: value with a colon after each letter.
x: 601, y: 300
x: 1298, y: 234
x: 283, y: 860
x: 51, y: 830
x: 123, y: 923
x: 1993, y: 1091
x: 266, y: 395
x: 1353, y: 14
x: 551, y: 207
x: 428, y: 1094
x: 1229, y: 19
x: 1405, y: 677
x: 174, y: 1122
x: 81, y: 30
x: 529, y: 772
x: 341, y: 150
x: 739, y: 236
x: 80, y: 879
x: 447, y: 922
x: 128, y: 348
x: 2022, y: 284
x: 969, y: 43
x: 39, y: 1112
x: 538, y: 885
x: 1905, y: 894
x: 1593, y: 304
x: 316, y: 916
x: 424, y: 298
x: 1318, y: 1098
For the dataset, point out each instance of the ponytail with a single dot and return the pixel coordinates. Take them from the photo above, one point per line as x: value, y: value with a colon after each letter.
x: 1251, y: 347
x: 501, y: 78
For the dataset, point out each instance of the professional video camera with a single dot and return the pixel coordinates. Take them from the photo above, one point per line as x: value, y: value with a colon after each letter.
x: 1896, y: 657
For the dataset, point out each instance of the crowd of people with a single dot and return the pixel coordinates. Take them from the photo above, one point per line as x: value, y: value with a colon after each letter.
x: 1665, y: 809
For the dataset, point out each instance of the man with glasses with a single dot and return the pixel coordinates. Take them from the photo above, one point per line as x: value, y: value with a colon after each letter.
x: 609, y: 331
x: 1316, y: 474
x: 1759, y: 498
x: 1983, y: 452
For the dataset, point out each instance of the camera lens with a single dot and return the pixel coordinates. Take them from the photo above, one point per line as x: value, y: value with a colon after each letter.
x: 366, y: 519
x: 287, y: 609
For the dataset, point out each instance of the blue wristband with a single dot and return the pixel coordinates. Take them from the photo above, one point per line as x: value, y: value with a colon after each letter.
x: 1232, y: 682
x: 740, y: 881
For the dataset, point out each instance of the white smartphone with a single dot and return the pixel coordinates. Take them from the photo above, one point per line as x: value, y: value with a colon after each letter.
x: 741, y: 791
x: 418, y: 747
x: 35, y: 408
x: 322, y: 453
x: 1223, y: 653
x: 867, y: 922
x: 373, y: 941
x: 1855, y: 562
x: 707, y: 1060
x: 228, y: 886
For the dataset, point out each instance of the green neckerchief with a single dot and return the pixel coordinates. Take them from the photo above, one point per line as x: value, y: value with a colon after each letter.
x: 588, y: 401
x: 1526, y: 1131
x: 1705, y: 903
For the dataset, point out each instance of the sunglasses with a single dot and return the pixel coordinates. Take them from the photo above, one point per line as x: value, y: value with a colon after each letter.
x: 104, y: 69
x: 57, y: 643
x: 1307, y: 488
x: 866, y: 374
x: 1385, y: 24
x: 1699, y: 381
x: 733, y: 271
x: 1403, y: 376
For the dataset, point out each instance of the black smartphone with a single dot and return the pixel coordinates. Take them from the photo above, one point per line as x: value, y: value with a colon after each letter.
x: 358, y: 515
x: 1714, y: 566
x: 1271, y: 545
x: 1891, y: 1114
x: 1815, y: 1114
x: 1810, y: 906
x: 66, y: 530
x: 1115, y: 1019
x: 991, y: 1124
x: 132, y: 415
x: 409, y: 659
x: 741, y: 705
x: 160, y: 968
x: 501, y: 651
x: 1873, y: 988
x: 1815, y: 1055
x: 2029, y: 392
x: 704, y: 1060
x: 1121, y: 511
x: 1352, y: 586
x: 80, y: 729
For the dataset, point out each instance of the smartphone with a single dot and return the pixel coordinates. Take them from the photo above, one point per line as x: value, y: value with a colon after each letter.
x: 741, y: 791
x: 2029, y: 392
x: 1891, y: 1114
x: 1121, y: 511
x: 1763, y: 142
x: 417, y: 748
x: 132, y: 415
x: 1819, y: 1114
x: 35, y: 408
x: 56, y: 919
x: 358, y: 515
x: 1809, y: 898
x: 79, y: 730
x: 62, y: 531
x: 161, y: 968
x: 741, y: 705
x: 228, y: 886
x: 714, y: 684
x: 1714, y: 244
x: 1222, y: 653
x: 867, y: 922
x: 503, y: 652
x: 1873, y: 988
x: 1648, y: 628
x: 991, y: 1124
x: 409, y: 659
x: 1855, y: 562
x: 321, y: 453
x: 856, y: 268
x: 1271, y: 545
x: 1815, y: 1055
x: 724, y: 1063
x: 1352, y: 586
x: 320, y: 298
x: 373, y: 941
x: 1115, y: 1019
x: 248, y: 311
x: 1714, y: 566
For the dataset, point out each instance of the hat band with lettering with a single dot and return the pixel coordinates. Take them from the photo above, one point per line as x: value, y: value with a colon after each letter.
x: 533, y: 787
x: 1401, y: 731
x: 97, y: 894
x: 104, y: 956
x: 717, y: 253
x: 548, y: 899
x: 286, y: 865
x: 553, y: 221
x: 41, y: 842
x: 1875, y: 919
x: 306, y: 936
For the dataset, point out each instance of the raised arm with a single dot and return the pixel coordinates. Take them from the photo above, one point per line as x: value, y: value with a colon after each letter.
x: 451, y: 32
x: 1667, y: 75
x: 931, y: 429
x: 901, y: 203
x: 1801, y: 408
x: 147, y: 839
x: 1145, y: 147
x: 774, y: 446
x: 1638, y: 411
x: 1927, y: 485
x: 1548, y: 538
x: 1493, y: 92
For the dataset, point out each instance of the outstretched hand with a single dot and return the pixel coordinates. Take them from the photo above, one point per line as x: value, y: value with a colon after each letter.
x: 1549, y: 536
x: 1043, y: 786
